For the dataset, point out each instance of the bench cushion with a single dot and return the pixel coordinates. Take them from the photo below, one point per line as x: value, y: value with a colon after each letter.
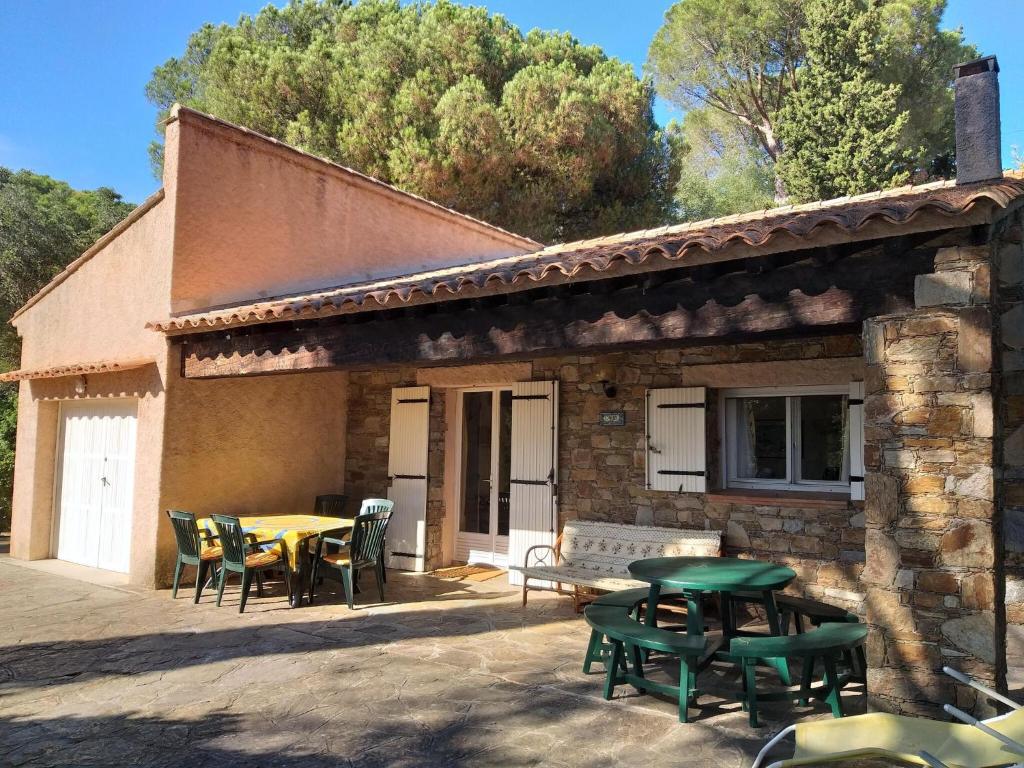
x: 833, y: 636
x: 608, y: 548
x: 613, y: 622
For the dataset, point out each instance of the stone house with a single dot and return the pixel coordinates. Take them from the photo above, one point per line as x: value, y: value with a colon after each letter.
x: 837, y: 386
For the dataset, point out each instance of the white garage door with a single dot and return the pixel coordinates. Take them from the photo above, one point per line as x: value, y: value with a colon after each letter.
x: 95, y: 470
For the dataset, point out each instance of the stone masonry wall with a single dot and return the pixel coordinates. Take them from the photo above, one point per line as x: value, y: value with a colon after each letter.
x: 601, y: 469
x: 366, y: 460
x: 932, y: 576
x: 1009, y: 392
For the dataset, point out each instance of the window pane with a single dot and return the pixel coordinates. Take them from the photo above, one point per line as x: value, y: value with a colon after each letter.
x: 761, y: 438
x: 476, y: 476
x: 823, y: 438
x: 504, y: 462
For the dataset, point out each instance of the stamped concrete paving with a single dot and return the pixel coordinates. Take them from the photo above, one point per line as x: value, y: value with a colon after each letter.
x: 443, y: 674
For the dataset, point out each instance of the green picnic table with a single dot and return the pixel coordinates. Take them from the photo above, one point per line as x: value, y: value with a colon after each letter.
x: 697, y: 576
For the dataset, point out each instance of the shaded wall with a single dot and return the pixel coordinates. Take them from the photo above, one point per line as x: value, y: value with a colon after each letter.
x: 1009, y: 385
x: 258, y: 446
x: 934, y: 575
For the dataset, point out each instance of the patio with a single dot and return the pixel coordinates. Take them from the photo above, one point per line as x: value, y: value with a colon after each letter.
x: 446, y: 673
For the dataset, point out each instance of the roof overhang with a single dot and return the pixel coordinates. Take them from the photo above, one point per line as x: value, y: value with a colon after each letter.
x: 78, y: 369
x: 893, y: 213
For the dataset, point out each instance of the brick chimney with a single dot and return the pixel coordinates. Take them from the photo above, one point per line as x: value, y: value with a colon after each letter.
x: 976, y: 105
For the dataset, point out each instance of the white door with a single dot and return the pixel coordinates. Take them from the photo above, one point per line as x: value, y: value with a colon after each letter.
x: 407, y: 475
x: 485, y: 420
x: 533, y: 507
x: 95, y: 474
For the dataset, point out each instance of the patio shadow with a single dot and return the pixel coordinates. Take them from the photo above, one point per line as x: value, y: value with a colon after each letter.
x: 485, y: 728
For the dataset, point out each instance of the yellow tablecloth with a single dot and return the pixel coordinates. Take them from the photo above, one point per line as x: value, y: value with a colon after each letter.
x: 291, y: 528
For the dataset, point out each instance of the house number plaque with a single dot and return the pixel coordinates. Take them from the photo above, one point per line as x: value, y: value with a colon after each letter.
x: 612, y: 419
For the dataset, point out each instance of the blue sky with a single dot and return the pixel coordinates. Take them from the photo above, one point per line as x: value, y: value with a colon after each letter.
x: 72, y: 103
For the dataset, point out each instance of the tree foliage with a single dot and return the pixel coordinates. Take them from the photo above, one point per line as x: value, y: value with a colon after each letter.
x: 44, y: 224
x: 736, y: 56
x: 8, y: 430
x: 722, y: 172
x: 742, y: 58
x: 534, y: 132
x: 843, y: 128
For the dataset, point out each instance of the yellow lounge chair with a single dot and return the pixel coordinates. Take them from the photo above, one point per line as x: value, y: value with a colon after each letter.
x: 972, y: 743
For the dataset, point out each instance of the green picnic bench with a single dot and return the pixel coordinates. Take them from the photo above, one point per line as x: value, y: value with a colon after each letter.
x: 815, y: 611
x: 828, y: 643
x: 818, y: 613
x: 618, y: 625
x: 630, y: 600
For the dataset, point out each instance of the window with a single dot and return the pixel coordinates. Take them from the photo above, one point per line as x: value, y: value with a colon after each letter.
x: 787, y: 439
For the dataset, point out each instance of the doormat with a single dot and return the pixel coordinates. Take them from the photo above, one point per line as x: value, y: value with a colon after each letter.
x: 468, y: 572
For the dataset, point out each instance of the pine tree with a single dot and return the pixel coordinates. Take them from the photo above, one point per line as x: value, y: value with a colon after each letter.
x: 841, y: 128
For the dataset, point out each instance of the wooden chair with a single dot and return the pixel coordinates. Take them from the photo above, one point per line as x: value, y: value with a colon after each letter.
x: 238, y: 557
x: 194, y: 548
x: 364, y: 549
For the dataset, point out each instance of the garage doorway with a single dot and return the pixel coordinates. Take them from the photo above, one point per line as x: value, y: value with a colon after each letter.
x: 94, y: 482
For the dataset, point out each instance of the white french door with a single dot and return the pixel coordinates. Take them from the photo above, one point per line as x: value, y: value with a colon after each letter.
x: 485, y: 474
x: 95, y: 480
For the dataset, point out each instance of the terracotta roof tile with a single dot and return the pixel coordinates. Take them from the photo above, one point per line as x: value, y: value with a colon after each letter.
x: 585, y: 258
x: 79, y: 369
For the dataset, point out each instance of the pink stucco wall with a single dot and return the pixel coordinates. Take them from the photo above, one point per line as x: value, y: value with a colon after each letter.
x: 256, y: 219
x: 97, y: 313
x: 100, y: 311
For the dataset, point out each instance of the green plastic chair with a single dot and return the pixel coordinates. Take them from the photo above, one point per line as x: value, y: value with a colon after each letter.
x: 330, y: 505
x: 195, y: 548
x: 364, y: 549
x: 238, y: 556
x: 370, y: 506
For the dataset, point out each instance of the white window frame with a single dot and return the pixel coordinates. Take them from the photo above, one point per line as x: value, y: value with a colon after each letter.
x: 792, y: 482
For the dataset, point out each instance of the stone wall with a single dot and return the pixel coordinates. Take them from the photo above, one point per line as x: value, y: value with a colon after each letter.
x: 933, y: 575
x: 366, y: 463
x: 601, y: 469
x: 1009, y: 394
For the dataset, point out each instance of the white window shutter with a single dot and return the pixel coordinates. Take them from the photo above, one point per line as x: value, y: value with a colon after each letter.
x: 856, y: 403
x: 407, y: 476
x: 676, y: 441
x: 533, y: 496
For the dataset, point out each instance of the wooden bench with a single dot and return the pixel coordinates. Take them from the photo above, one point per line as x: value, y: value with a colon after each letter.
x: 595, y: 555
x: 828, y: 643
x: 623, y: 631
